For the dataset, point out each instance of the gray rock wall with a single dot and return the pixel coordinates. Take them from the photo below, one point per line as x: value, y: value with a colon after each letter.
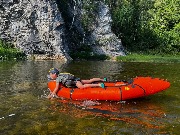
x: 34, y: 26
x: 105, y: 41
x: 37, y: 28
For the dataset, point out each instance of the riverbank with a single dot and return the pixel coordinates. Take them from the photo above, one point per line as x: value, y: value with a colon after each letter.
x: 11, y: 54
x: 149, y: 58
x: 14, y: 54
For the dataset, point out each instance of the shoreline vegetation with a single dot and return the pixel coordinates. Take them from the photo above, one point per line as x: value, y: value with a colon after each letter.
x: 8, y: 52
x: 134, y: 57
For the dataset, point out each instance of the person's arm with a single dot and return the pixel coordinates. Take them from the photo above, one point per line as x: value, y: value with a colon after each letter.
x: 53, y: 94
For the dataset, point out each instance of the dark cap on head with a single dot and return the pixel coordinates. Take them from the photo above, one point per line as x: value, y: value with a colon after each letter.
x: 54, y: 71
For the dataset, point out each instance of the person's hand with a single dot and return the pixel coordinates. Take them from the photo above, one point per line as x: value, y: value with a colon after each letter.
x: 51, y: 96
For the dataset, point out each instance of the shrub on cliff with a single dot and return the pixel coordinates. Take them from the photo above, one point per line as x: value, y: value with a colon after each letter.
x: 7, y: 52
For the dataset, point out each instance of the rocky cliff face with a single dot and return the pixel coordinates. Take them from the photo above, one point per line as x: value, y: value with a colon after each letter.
x: 108, y: 43
x: 38, y: 28
x: 34, y: 26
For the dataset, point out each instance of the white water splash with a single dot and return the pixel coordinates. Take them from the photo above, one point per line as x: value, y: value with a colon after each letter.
x: 10, y: 115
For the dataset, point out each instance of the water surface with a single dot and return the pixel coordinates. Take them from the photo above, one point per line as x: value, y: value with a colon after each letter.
x: 24, y: 110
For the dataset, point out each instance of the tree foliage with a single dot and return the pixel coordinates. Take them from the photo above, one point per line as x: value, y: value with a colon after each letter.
x: 7, y: 52
x: 147, y: 25
x: 165, y: 23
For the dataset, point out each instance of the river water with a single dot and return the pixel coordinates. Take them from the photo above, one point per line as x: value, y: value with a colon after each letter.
x: 25, y: 110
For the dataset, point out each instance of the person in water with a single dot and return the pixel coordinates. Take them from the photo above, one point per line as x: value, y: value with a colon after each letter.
x: 70, y: 80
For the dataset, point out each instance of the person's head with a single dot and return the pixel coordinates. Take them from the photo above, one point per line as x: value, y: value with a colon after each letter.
x: 53, y: 72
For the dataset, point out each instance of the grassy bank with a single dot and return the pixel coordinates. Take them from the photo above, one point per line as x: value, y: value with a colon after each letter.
x: 8, y: 52
x: 149, y: 58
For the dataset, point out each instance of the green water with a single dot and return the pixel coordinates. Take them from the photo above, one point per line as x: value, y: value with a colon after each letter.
x: 24, y: 110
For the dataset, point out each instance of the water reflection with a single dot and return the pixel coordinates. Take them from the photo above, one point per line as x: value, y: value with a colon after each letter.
x: 111, y: 70
x: 94, y: 69
x: 139, y: 112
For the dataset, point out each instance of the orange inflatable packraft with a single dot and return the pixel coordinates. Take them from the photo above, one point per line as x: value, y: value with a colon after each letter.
x: 117, y: 91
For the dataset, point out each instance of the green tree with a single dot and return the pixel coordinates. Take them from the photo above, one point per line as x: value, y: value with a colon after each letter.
x: 146, y: 25
x: 165, y: 22
x: 129, y: 21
